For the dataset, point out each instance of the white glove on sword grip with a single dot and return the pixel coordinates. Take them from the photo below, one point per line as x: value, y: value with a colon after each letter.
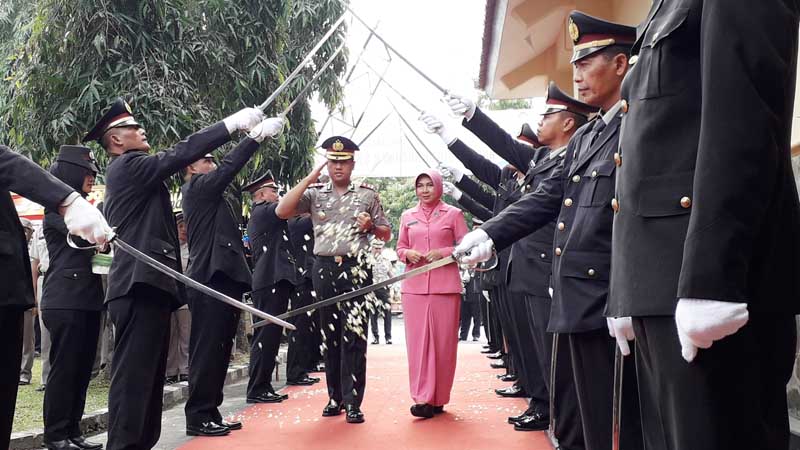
x: 434, y: 125
x: 451, y: 172
x: 267, y: 128
x: 621, y: 329
x: 85, y: 221
x: 460, y: 105
x: 700, y: 322
x: 476, y: 246
x: 243, y: 120
x: 451, y: 190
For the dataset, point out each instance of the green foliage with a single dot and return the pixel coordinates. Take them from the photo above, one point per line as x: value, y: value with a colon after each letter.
x: 495, y: 105
x: 181, y: 64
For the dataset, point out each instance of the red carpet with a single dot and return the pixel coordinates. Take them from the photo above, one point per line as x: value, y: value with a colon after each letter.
x: 475, y: 418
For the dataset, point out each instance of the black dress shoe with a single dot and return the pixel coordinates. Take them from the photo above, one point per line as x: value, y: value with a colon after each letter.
x: 183, y: 377
x: 460, y: 338
x: 488, y: 350
x: 498, y: 365
x: 170, y: 380
x: 81, y: 442
x: 475, y: 338
x: 497, y: 355
x: 508, y: 377
x: 438, y: 409
x: 511, y: 392
x: 354, y: 414
x: 375, y: 341
x: 389, y: 341
x: 41, y: 388
x: 24, y: 382
x: 267, y: 397
x: 423, y: 410
x: 209, y: 429
x: 232, y: 425
x: 333, y: 408
x: 61, y: 445
x: 534, y: 422
x: 306, y: 381
x: 513, y: 420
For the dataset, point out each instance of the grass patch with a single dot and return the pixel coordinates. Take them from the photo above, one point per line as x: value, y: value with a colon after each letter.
x: 28, y: 414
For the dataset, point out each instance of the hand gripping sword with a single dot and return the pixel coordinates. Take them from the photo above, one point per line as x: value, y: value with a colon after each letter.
x: 177, y: 276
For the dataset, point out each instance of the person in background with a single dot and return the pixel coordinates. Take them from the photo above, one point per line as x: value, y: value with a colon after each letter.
x: 40, y: 263
x: 29, y: 338
x: 380, y: 272
x: 181, y: 322
x: 431, y: 301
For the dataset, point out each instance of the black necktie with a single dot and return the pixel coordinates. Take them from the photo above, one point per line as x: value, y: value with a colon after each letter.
x: 597, y: 128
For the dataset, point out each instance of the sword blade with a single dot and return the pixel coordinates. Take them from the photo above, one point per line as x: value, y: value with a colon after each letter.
x: 413, y: 133
x: 616, y: 415
x: 367, y: 289
x: 174, y: 274
x: 313, y: 79
x: 552, y: 384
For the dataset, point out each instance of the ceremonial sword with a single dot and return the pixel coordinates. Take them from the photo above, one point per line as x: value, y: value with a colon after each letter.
x: 552, y: 390
x: 313, y: 79
x: 177, y: 276
x: 415, y: 134
x: 616, y: 408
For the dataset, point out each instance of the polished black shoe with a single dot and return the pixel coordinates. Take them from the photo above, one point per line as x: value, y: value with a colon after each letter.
x: 508, y: 377
x: 208, y: 429
x: 305, y: 381
x: 24, y: 382
x: 333, y: 408
x: 267, y: 397
x: 41, y: 388
x: 498, y: 365
x: 354, y: 414
x: 423, y: 410
x: 438, y: 409
x: 534, y: 422
x: 375, y: 341
x: 170, y: 380
x: 61, y: 445
x: 460, y: 338
x: 496, y: 355
x: 81, y: 442
x: 511, y: 392
x: 389, y: 341
x: 475, y: 338
x: 513, y: 420
x: 232, y: 425
x: 183, y: 377
x: 488, y: 350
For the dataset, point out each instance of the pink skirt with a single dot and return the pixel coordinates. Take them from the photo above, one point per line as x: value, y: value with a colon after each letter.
x: 431, y: 322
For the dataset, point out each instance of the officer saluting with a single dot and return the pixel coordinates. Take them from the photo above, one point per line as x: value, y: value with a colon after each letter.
x: 139, y: 298
x: 71, y: 304
x: 344, y: 215
x: 274, y: 276
x: 705, y: 236
x: 216, y: 255
x: 22, y: 176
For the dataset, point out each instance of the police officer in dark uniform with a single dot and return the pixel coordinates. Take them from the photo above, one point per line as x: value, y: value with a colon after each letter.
x: 706, y: 240
x: 344, y: 215
x: 216, y: 259
x: 72, y: 301
x: 139, y: 298
x: 25, y: 178
x: 274, y: 276
x: 580, y: 196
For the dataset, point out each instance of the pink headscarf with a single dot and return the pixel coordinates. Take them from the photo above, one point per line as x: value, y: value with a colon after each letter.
x: 429, y: 207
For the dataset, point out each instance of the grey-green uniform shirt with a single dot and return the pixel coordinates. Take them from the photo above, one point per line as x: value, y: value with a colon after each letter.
x: 334, y: 217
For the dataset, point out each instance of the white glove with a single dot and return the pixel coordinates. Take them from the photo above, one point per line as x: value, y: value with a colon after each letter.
x: 476, y: 246
x: 267, y: 128
x: 460, y: 106
x: 85, y: 221
x: 243, y: 120
x: 451, y: 172
x: 434, y: 125
x: 621, y: 329
x: 451, y: 190
x: 701, y: 322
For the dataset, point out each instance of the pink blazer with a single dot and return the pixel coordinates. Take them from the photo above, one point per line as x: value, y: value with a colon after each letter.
x: 443, y: 232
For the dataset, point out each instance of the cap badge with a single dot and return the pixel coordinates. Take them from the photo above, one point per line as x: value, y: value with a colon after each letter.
x: 574, y: 33
x: 338, y: 146
x: 128, y: 107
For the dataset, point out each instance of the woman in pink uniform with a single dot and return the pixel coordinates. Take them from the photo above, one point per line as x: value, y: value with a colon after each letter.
x: 431, y: 301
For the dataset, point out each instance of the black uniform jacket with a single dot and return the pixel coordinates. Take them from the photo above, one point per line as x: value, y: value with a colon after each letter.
x: 138, y: 204
x: 579, y: 194
x: 708, y: 206
x: 69, y: 282
x: 301, y: 235
x: 272, y: 249
x: 215, y: 242
x: 20, y: 175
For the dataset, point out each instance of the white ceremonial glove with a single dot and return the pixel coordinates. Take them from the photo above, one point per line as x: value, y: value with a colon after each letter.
x: 267, y: 128
x: 451, y: 172
x: 450, y: 189
x: 701, y: 322
x: 243, y: 120
x: 476, y: 247
x: 85, y: 221
x: 460, y: 106
x: 434, y: 125
x: 621, y: 329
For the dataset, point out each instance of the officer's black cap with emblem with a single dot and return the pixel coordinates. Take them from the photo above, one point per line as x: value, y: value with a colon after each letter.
x: 339, y: 148
x: 78, y: 155
x: 265, y: 180
x: 557, y: 101
x: 590, y: 34
x: 118, y: 115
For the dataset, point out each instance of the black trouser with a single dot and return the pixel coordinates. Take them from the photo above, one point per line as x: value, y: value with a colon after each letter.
x: 592, y: 354
x: 568, y: 428
x: 383, y: 308
x: 11, y: 329
x: 303, y: 347
x: 272, y: 300
x: 501, y: 301
x: 210, y: 343
x: 525, y: 353
x: 142, y: 323
x: 344, y: 328
x: 470, y: 312
x: 491, y: 325
x: 732, y: 396
x: 73, y: 344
